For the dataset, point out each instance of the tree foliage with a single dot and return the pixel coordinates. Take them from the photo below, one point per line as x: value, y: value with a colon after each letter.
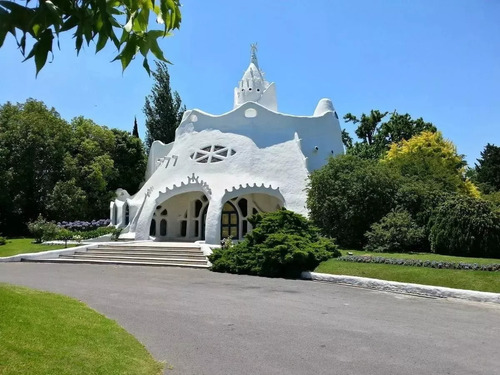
x: 63, y: 171
x: 429, y: 157
x: 376, y: 136
x: 163, y: 108
x: 488, y: 167
x: 349, y: 194
x: 282, y: 244
x: 123, y: 22
x: 466, y: 226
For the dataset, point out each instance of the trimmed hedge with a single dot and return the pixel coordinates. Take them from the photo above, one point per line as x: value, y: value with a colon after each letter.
x: 421, y: 263
x: 282, y: 244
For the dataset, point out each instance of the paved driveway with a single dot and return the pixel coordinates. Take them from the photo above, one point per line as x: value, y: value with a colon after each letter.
x: 207, y: 323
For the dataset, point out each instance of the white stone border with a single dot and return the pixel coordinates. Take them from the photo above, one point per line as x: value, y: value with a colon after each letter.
x: 394, y: 286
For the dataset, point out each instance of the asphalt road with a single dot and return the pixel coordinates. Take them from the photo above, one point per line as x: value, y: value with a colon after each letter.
x: 207, y: 323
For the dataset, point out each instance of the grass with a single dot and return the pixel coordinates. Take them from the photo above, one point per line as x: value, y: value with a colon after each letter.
x: 46, y: 333
x: 462, y: 279
x: 25, y: 245
x: 424, y: 256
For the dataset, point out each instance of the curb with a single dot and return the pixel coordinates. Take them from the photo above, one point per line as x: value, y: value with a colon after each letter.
x: 394, y: 286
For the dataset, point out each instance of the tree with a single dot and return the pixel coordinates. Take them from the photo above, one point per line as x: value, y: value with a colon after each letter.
x: 135, y: 131
x: 96, y: 21
x: 129, y: 162
x: 33, y: 142
x: 67, y: 201
x: 488, y: 167
x: 163, y: 109
x: 428, y: 157
x: 376, y: 136
x: 348, y: 195
x: 466, y: 226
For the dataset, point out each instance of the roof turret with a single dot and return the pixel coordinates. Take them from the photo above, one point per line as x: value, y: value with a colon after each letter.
x: 253, y: 87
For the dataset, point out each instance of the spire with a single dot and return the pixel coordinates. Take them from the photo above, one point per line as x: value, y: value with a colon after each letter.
x: 253, y: 87
x: 253, y: 58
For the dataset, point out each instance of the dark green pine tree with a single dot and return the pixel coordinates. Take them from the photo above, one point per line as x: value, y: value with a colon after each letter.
x: 488, y: 169
x: 135, y: 132
x: 163, y: 108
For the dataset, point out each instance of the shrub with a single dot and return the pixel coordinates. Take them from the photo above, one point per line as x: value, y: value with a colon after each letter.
x: 348, y: 195
x: 42, y: 229
x: 65, y: 235
x: 282, y: 244
x: 466, y: 226
x: 395, y: 232
x: 115, y: 234
x: 3, y: 241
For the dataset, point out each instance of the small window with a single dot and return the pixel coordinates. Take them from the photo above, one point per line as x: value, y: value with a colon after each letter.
x: 215, y: 159
x: 196, y: 228
x: 183, y: 228
x: 164, y: 212
x: 217, y: 148
x: 254, y: 211
x: 233, y: 152
x: 250, y: 89
x: 204, y: 160
x: 244, y: 228
x: 158, y: 207
x: 258, y: 89
x: 208, y: 148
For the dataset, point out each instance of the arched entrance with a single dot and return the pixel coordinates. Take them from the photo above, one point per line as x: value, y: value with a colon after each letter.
x: 237, y: 210
x: 181, y: 217
x: 229, y: 221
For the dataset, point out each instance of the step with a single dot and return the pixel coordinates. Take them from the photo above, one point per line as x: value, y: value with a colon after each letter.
x: 155, y: 259
x: 116, y: 262
x: 145, y: 253
x: 149, y: 248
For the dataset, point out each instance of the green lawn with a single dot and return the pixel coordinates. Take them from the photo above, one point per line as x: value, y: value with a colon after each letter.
x: 462, y: 279
x: 45, y: 333
x: 25, y: 245
x: 424, y: 256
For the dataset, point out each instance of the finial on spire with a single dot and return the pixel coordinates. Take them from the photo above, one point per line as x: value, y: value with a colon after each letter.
x: 253, y: 58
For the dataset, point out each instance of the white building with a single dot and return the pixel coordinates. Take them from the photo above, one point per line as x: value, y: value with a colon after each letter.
x: 221, y: 169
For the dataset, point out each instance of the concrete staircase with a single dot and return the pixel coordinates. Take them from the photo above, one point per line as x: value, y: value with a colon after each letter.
x: 140, y: 254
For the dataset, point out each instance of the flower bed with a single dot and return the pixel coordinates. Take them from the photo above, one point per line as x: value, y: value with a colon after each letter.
x: 421, y: 263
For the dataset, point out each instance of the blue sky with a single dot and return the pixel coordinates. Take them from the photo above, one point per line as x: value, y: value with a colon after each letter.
x: 439, y: 60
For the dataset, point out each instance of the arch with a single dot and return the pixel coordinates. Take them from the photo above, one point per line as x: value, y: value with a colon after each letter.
x: 180, y: 216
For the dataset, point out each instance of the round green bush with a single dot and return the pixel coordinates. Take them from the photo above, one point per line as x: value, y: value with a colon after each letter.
x: 467, y: 227
x: 282, y: 244
x: 395, y: 233
x: 348, y: 195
